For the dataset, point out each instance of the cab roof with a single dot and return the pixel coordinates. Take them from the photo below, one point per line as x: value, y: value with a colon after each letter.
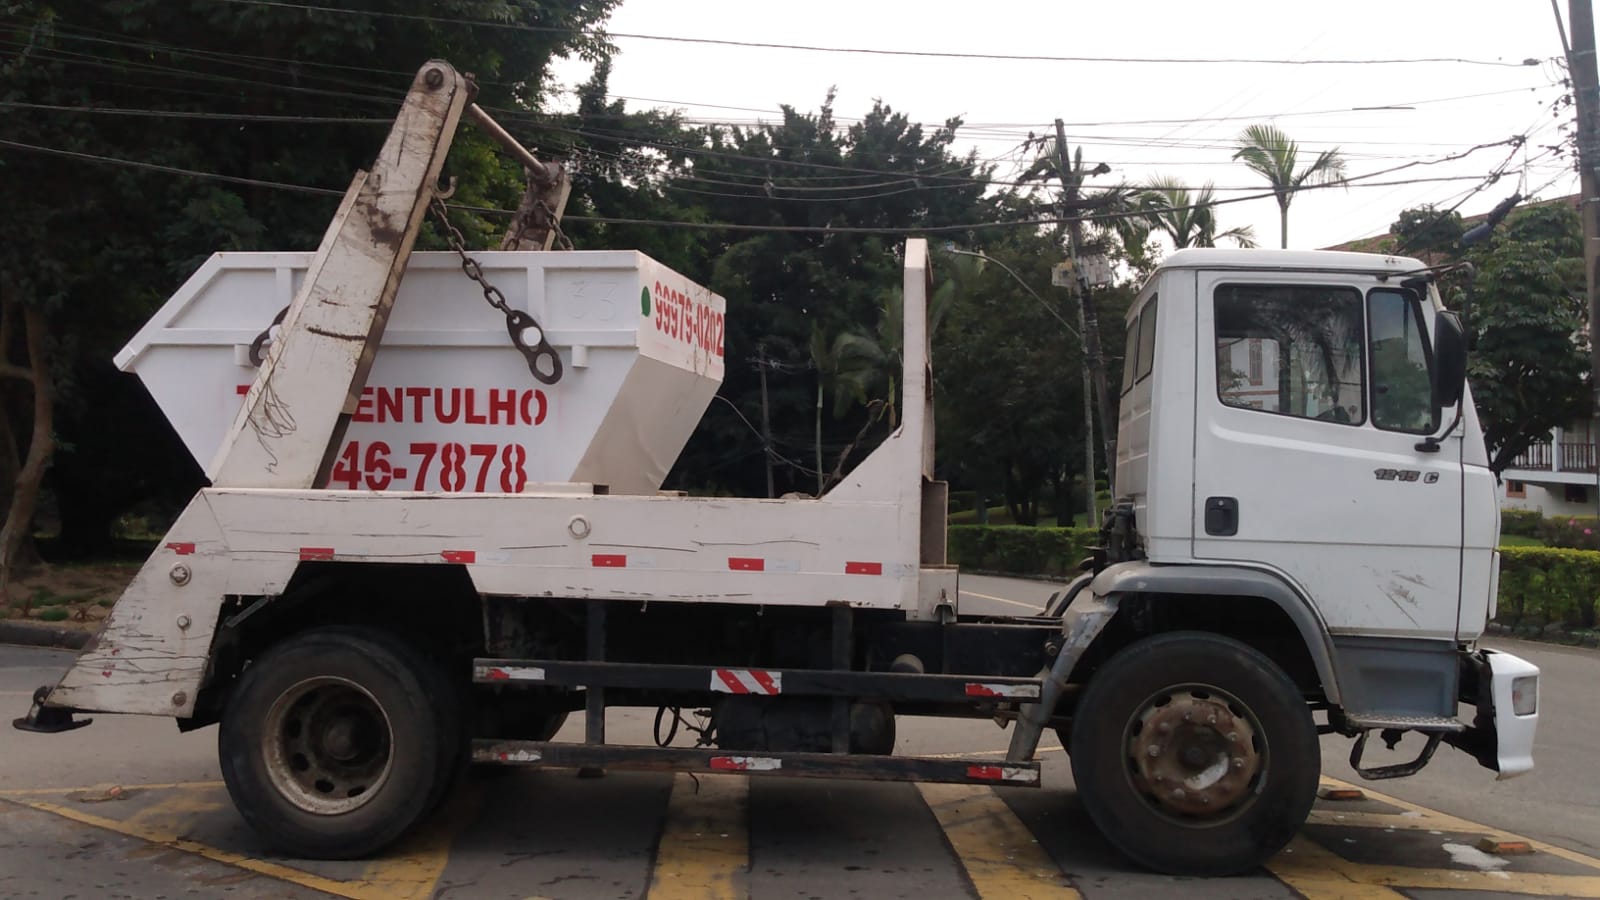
x: 1309, y: 260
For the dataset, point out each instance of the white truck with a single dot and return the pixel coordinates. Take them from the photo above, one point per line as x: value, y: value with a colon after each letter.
x: 1306, y: 527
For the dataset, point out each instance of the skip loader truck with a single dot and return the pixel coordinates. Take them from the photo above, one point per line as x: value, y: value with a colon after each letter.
x: 425, y: 545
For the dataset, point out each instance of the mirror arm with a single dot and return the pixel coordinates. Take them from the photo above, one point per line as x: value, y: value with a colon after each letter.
x: 1431, y: 443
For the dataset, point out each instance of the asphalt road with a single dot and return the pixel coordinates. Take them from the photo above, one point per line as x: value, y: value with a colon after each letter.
x: 171, y: 831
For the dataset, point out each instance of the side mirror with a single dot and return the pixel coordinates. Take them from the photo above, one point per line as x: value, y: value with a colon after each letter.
x: 1449, y: 359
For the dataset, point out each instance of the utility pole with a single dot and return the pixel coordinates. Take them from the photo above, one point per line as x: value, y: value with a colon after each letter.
x: 1586, y: 94
x: 1090, y: 320
x: 766, y: 421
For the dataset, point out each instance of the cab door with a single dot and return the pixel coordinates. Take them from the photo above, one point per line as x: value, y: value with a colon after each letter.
x: 1310, y: 459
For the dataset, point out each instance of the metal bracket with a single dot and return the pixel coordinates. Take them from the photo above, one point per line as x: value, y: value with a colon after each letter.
x: 43, y: 719
x: 1400, y: 770
x: 1080, y: 625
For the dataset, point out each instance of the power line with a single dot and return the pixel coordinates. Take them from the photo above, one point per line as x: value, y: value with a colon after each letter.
x: 1355, y: 181
x: 875, y: 51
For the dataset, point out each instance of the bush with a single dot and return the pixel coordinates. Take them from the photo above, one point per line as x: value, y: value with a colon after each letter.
x: 1525, y: 522
x: 1576, y: 532
x: 1019, y: 549
x: 960, y: 500
x: 1542, y: 586
x: 53, y: 614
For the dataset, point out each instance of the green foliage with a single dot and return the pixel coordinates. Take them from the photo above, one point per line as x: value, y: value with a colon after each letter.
x: 1520, y: 521
x: 1019, y: 549
x: 1542, y: 586
x: 1424, y: 230
x: 1188, y: 218
x: 1528, y: 369
x: 52, y: 614
x: 1573, y: 532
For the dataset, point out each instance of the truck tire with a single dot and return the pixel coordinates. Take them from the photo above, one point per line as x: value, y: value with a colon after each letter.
x: 333, y: 744
x: 1195, y: 754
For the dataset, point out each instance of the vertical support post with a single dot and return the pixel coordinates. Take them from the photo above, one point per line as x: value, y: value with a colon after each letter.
x: 594, y: 724
x: 843, y: 644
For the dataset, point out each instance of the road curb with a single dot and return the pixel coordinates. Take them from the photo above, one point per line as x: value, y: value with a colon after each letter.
x: 30, y: 635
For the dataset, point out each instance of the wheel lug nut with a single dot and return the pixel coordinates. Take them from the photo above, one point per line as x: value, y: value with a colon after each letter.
x: 1233, y: 737
x: 1177, y: 793
x: 1165, y: 728
x: 1238, y: 762
x: 1211, y: 720
x: 1153, y: 750
x: 1202, y: 799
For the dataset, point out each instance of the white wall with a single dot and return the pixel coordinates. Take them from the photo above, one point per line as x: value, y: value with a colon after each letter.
x: 1549, y: 500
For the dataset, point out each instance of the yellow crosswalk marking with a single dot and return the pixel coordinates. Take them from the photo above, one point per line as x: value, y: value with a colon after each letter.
x: 1439, y: 821
x: 704, y: 853
x: 1320, y: 874
x: 1317, y: 874
x: 407, y: 872
x: 1001, y: 856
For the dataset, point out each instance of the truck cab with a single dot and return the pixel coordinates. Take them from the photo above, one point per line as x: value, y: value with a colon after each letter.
x: 1286, y: 433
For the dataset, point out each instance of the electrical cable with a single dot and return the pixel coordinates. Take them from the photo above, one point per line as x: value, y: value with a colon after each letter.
x: 935, y: 54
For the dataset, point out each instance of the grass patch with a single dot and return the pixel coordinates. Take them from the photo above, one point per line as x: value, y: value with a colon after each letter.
x: 53, y: 614
x: 1520, y: 540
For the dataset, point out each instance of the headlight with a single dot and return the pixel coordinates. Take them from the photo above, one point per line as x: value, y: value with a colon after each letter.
x: 1525, y: 695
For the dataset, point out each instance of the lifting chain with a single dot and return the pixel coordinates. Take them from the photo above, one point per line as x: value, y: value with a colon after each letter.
x: 543, y: 361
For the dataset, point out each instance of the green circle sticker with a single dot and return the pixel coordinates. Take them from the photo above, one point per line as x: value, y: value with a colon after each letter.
x: 644, y: 302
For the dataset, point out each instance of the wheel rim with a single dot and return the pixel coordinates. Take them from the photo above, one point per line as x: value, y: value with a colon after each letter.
x: 1196, y: 754
x: 328, y: 745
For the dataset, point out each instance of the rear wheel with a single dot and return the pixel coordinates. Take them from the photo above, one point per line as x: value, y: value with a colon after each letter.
x: 1195, y: 754
x: 334, y: 742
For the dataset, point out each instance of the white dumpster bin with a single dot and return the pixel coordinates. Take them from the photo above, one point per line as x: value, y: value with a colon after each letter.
x: 450, y: 404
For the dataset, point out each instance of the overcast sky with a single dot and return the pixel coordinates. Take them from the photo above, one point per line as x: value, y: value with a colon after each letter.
x: 1144, y: 118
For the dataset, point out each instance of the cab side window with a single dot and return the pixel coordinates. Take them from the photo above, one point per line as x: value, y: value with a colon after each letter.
x: 1139, y: 356
x: 1294, y: 350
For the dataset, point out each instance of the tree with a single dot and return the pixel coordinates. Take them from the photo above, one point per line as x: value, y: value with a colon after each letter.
x: 787, y: 288
x: 1188, y: 218
x: 1529, y: 363
x: 1270, y: 153
x: 1427, y: 231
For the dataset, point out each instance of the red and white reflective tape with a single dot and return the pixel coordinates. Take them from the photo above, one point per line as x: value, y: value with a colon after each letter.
x: 459, y: 556
x: 863, y: 568
x: 508, y: 673
x: 745, y: 763
x: 746, y: 681
x: 747, y: 564
x: 986, y: 689
x: 316, y: 553
x: 519, y: 756
x: 609, y: 561
x: 182, y: 548
x: 1003, y: 773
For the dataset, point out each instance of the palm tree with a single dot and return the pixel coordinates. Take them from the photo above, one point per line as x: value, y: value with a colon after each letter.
x: 1188, y: 218
x: 1273, y: 155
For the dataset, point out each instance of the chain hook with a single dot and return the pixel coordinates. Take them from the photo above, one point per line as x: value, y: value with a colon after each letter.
x: 543, y: 361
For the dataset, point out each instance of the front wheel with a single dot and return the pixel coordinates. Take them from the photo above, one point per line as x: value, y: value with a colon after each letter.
x: 1195, y: 754
x: 334, y: 742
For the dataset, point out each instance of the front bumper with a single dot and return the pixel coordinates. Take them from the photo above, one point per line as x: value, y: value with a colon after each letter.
x: 1505, y: 690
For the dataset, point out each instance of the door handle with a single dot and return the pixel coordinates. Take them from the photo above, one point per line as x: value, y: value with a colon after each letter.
x: 1222, y: 516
